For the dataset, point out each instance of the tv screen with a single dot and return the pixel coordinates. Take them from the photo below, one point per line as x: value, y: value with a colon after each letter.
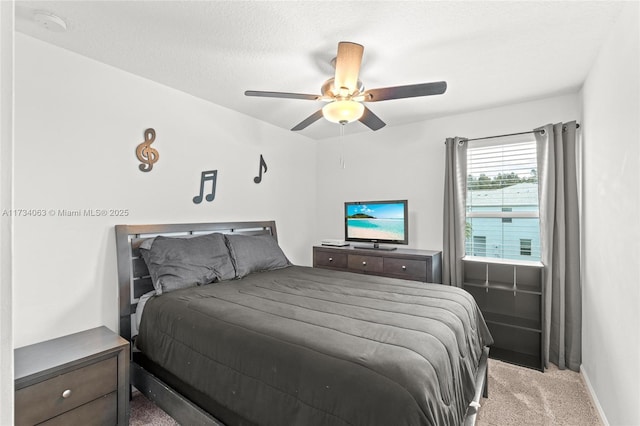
x: 376, y: 221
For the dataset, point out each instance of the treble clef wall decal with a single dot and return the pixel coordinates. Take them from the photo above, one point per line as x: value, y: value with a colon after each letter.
x: 148, y: 156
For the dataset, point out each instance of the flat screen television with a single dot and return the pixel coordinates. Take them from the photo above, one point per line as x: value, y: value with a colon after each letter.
x: 377, y: 222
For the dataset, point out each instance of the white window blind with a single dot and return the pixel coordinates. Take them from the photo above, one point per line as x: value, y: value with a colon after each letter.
x: 502, y: 199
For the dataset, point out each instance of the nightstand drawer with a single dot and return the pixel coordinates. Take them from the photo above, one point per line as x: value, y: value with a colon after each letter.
x: 365, y: 263
x: 409, y: 268
x: 65, y: 392
x: 331, y: 260
x: 99, y: 412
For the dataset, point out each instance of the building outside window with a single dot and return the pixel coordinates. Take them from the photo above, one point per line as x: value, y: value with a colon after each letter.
x: 502, y: 199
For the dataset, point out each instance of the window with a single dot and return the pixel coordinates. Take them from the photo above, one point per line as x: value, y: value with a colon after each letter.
x: 502, y: 199
x: 479, y: 246
x: 507, y: 219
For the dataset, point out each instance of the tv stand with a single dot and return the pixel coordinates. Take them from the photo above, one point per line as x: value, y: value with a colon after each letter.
x: 409, y: 264
x: 376, y: 246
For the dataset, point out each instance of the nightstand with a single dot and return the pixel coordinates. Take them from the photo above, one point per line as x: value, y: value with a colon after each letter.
x: 79, y: 379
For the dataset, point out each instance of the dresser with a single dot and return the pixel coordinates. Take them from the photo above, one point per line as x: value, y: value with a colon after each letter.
x: 409, y: 264
x: 79, y: 379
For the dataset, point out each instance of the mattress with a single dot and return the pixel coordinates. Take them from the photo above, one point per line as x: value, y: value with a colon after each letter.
x: 305, y: 346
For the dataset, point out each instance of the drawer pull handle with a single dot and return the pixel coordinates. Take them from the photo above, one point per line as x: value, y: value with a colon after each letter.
x: 364, y: 263
x: 404, y: 268
x: 66, y: 393
x: 331, y: 259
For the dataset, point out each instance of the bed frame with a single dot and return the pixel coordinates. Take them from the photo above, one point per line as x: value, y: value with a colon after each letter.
x: 134, y: 281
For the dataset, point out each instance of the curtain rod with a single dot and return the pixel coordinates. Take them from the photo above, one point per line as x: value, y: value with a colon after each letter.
x: 512, y: 134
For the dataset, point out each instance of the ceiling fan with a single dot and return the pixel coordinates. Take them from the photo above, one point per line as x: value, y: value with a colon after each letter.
x: 345, y: 94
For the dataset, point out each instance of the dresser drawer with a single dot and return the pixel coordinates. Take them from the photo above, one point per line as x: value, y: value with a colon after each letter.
x: 99, y: 412
x: 406, y: 268
x: 360, y: 263
x: 330, y: 260
x: 46, y: 399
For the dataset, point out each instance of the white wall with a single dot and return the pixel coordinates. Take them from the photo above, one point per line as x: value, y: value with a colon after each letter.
x: 611, y: 225
x: 77, y: 124
x: 408, y: 162
x: 6, y: 222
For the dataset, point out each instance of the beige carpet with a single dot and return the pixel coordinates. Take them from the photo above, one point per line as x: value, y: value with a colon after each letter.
x: 521, y: 396
x: 145, y: 412
x: 517, y: 396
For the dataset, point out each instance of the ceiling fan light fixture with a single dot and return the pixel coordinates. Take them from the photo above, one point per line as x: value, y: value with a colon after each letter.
x: 343, y: 112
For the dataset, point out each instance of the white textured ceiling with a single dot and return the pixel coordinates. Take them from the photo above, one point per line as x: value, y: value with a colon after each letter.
x: 490, y: 53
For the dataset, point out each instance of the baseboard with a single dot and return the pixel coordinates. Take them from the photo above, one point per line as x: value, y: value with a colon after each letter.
x: 594, y: 398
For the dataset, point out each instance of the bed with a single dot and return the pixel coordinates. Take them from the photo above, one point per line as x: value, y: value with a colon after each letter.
x: 294, y: 345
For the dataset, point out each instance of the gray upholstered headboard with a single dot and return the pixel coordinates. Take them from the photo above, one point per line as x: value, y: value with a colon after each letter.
x: 133, y: 275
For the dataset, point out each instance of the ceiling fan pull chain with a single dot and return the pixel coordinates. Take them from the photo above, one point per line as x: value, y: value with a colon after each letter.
x: 342, y: 162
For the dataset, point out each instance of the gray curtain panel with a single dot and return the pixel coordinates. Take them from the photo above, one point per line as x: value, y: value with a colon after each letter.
x: 560, y: 243
x: 455, y: 194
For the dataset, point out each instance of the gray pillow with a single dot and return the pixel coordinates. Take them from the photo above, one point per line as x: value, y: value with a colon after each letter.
x: 251, y: 253
x: 176, y: 263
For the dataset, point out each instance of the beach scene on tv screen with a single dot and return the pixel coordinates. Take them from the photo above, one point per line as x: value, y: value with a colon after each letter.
x: 375, y: 221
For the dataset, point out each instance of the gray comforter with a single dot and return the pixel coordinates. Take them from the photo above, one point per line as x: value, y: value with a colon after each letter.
x: 304, y: 346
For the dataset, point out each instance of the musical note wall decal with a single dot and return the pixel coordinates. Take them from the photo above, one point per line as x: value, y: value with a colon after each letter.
x: 263, y: 165
x: 212, y: 176
x: 148, y: 156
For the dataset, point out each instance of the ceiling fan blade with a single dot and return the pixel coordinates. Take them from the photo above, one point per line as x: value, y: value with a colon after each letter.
x: 281, y: 95
x: 371, y: 120
x: 309, y: 120
x: 348, y: 66
x: 410, y: 91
